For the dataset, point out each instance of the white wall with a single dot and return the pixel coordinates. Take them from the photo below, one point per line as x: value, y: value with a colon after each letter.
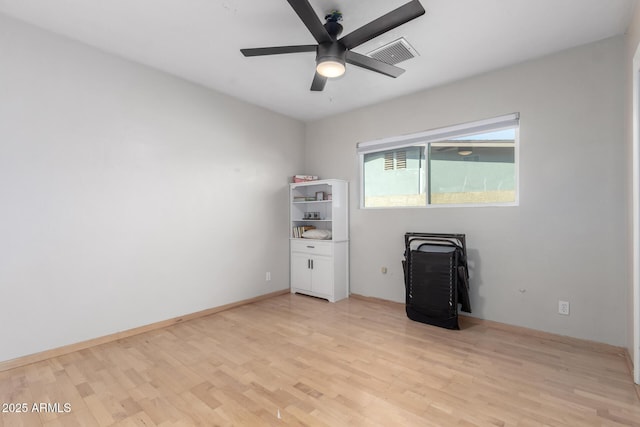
x: 566, y: 240
x: 129, y: 196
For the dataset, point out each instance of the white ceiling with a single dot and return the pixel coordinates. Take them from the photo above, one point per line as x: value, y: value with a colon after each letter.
x: 199, y: 40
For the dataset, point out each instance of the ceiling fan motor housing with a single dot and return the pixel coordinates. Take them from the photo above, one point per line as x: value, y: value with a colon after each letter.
x: 333, y: 28
x: 332, y: 51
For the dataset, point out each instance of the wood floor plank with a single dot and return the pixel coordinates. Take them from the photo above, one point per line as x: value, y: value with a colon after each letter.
x: 297, y: 361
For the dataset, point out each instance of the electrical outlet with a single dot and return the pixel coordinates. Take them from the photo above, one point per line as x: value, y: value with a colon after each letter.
x: 563, y: 307
x: 268, y: 276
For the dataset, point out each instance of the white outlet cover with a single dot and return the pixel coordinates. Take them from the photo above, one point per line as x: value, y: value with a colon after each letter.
x: 563, y: 308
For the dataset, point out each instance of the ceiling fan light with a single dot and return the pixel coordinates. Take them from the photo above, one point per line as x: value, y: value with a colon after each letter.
x: 330, y: 68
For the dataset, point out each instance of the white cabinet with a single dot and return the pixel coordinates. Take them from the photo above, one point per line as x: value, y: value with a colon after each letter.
x: 312, y: 274
x: 320, y: 267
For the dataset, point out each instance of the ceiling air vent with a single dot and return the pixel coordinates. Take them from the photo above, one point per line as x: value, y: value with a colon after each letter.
x: 394, y: 52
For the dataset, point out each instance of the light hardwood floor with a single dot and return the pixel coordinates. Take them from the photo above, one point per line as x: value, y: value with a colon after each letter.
x: 296, y: 360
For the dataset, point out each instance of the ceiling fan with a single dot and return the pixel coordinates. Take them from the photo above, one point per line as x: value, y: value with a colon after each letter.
x: 332, y: 53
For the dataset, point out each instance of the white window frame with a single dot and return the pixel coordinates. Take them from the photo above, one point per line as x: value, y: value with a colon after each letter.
x: 424, y: 138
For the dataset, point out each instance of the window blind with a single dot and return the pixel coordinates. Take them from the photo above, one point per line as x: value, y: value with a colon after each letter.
x: 439, y: 134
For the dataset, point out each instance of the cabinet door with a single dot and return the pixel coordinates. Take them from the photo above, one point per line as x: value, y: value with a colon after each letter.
x: 322, y: 275
x: 300, y: 272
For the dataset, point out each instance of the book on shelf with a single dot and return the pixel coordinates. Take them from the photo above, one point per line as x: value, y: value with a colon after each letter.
x: 299, y: 231
x: 304, y: 178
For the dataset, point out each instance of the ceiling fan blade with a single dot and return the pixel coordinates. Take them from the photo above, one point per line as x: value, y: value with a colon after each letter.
x: 310, y: 20
x: 259, y: 51
x: 387, y: 22
x: 373, y: 64
x: 318, y: 83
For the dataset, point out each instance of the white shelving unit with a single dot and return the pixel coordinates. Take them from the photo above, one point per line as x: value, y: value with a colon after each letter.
x: 320, y: 267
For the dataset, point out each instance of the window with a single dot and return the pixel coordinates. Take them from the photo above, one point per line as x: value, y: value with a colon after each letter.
x: 470, y: 164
